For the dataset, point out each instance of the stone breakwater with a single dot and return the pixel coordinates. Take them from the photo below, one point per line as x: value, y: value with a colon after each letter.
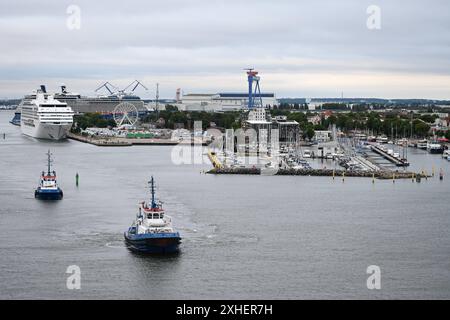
x: 99, y: 142
x: 123, y: 142
x: 323, y: 172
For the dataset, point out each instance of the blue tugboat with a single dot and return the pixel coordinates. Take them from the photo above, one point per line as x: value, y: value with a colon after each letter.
x: 48, y: 187
x: 152, y: 231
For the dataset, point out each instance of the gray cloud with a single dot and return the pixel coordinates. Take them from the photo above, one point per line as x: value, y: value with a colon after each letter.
x: 204, y: 45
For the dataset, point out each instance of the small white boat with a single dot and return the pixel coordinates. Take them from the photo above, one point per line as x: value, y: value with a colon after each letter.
x: 329, y: 155
x: 402, y: 142
x: 422, y: 144
x: 270, y: 169
x: 307, y: 154
x: 382, y: 139
x: 434, y: 147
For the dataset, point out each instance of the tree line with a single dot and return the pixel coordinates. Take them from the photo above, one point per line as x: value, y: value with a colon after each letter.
x: 392, y: 123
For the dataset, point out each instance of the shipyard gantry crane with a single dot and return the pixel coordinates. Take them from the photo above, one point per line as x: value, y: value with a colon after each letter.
x: 254, y: 94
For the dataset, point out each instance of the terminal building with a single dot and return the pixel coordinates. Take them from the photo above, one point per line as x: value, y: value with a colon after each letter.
x: 221, y: 102
x: 288, y: 130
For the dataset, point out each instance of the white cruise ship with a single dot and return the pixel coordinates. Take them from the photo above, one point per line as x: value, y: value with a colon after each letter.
x: 45, y: 118
x: 100, y: 104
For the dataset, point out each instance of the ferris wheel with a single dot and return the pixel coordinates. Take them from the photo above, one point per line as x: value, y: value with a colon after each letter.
x: 125, y: 113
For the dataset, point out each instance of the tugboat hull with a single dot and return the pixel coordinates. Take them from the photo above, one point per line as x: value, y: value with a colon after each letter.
x: 48, y: 194
x: 153, y: 243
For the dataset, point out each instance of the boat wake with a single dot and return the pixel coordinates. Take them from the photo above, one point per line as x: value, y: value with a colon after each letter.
x: 116, y: 245
x: 213, y: 235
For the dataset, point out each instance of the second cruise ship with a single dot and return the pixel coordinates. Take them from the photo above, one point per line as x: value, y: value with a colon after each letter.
x: 96, y: 104
x: 44, y: 117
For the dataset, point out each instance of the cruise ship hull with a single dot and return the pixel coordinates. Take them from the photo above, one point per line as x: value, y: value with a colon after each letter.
x: 153, y: 243
x: 46, y: 130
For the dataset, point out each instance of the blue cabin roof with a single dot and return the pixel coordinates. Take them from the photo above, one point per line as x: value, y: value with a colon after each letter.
x: 244, y: 95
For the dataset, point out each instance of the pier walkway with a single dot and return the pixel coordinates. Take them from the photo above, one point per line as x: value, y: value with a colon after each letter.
x: 366, y: 164
x: 391, y: 158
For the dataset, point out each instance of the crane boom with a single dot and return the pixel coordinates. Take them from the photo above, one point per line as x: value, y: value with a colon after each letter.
x: 107, y: 88
x: 136, y: 83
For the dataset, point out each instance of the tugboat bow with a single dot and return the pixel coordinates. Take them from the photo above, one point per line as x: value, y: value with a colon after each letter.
x: 152, y: 230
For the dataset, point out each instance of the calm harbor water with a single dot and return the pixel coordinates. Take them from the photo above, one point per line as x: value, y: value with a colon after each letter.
x: 271, y: 237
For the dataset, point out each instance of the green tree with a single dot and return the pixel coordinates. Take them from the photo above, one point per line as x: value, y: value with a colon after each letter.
x: 171, y: 108
x: 421, y: 129
x: 308, y: 132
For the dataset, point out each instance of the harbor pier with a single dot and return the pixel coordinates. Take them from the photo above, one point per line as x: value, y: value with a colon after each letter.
x: 398, y: 162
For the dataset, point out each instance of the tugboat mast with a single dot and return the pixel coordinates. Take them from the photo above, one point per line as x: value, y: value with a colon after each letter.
x: 152, y: 188
x: 49, y: 161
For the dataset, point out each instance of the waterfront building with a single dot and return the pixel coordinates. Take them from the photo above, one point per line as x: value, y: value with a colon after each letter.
x: 288, y: 130
x: 314, y: 105
x: 259, y: 120
x: 323, y: 135
x: 221, y: 102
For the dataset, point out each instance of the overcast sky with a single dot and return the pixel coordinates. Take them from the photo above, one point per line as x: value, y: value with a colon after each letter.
x: 301, y: 48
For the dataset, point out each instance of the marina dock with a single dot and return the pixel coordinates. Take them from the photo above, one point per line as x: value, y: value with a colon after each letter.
x: 370, y: 171
x: 398, y: 162
x: 364, y: 163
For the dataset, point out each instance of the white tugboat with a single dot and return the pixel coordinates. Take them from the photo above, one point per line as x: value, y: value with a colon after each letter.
x: 152, y: 231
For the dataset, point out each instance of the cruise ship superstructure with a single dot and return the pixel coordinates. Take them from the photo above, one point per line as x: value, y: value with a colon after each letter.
x: 44, y: 117
x: 95, y: 104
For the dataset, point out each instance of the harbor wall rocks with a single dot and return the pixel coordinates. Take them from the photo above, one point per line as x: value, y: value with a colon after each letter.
x: 321, y: 172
